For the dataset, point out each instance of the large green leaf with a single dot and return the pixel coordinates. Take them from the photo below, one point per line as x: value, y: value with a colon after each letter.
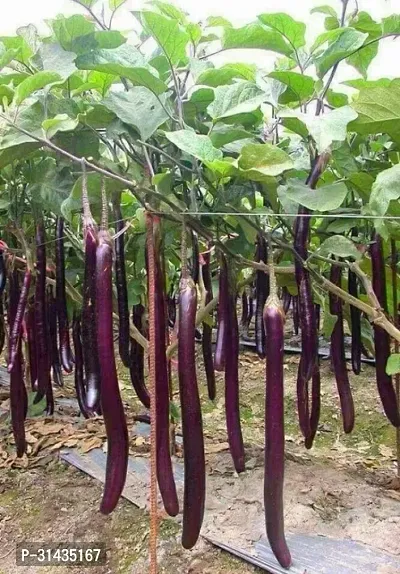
x: 360, y: 83
x: 255, y: 35
x: 234, y: 99
x: 385, y: 189
x: 140, y: 108
x: 55, y: 59
x: 33, y: 83
x: 19, y: 46
x: 194, y: 144
x: 168, y: 34
x: 291, y: 30
x: 378, y: 111
x: 344, y: 46
x: 124, y: 61
x: 215, y: 77
x: 329, y: 127
x: 257, y: 161
x: 303, y: 86
x: 14, y: 153
x: 325, y: 198
x: 67, y: 30
x: 340, y: 247
x: 30, y: 118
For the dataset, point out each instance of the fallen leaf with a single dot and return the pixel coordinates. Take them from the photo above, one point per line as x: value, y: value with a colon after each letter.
x: 217, y: 447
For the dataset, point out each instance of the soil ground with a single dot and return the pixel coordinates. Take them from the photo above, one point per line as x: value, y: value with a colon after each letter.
x: 344, y: 487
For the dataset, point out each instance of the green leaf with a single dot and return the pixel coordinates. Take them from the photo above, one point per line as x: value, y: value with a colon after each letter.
x: 55, y: 59
x: 255, y: 36
x: 362, y: 59
x: 109, y: 39
x: 215, y: 21
x: 125, y: 61
x: 222, y: 168
x: 363, y: 183
x: 303, y: 86
x: 347, y: 42
x: 14, y: 153
x: 337, y: 99
x: 393, y: 364
x: 378, y: 111
x: 20, y: 47
x: 292, y: 121
x: 259, y: 160
x: 331, y: 23
x: 215, y: 77
x: 34, y: 83
x: 115, y: 4
x: 168, y: 35
x: 60, y: 123
x: 234, y: 99
x: 391, y: 25
x: 360, y: 84
x: 194, y: 144
x: 329, y: 322
x: 7, y: 56
x: 198, y: 102
x: 340, y: 246
x: 224, y: 135
x: 325, y: 198
x: 171, y: 11
x: 293, y: 31
x: 67, y: 30
x: 385, y: 189
x: 329, y: 127
x: 140, y: 108
x: 327, y: 10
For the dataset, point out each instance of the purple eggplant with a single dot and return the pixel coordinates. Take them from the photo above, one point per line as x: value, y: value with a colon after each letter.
x: 192, y: 425
x: 18, y: 396
x: 338, y: 356
x: 61, y: 298
x: 16, y: 330
x: 42, y: 348
x: 206, y: 341
x: 136, y: 367
x: 232, y: 408
x: 274, y: 466
x: 111, y: 403
x: 381, y: 337
x: 262, y: 292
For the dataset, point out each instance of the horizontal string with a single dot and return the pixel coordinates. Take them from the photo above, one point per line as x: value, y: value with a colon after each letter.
x: 245, y: 214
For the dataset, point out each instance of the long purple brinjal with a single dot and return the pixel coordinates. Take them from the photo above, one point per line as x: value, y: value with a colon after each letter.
x: 274, y: 320
x: 165, y: 476
x: 315, y: 407
x: 52, y: 334
x: 2, y: 325
x: 32, y: 351
x: 355, y: 325
x: 192, y: 424
x: 206, y: 341
x: 307, y: 318
x: 262, y: 292
x: 381, y: 337
x: 62, y: 313
x: 232, y: 408
x: 89, y: 326
x: 111, y: 403
x: 43, y: 357
x: 286, y: 300
x: 80, y: 388
x: 338, y: 355
x: 18, y: 396
x: 122, y: 289
x: 136, y: 368
x: 220, y: 353
x: 15, y: 334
